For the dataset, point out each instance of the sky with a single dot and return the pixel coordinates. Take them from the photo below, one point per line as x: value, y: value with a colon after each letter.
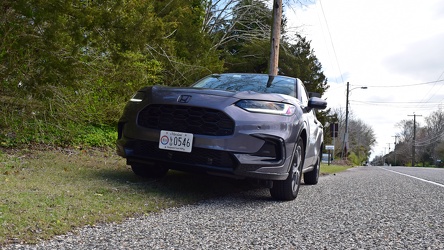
x: 395, y: 48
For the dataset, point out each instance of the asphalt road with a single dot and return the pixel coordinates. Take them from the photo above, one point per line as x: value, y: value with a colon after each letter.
x: 361, y: 208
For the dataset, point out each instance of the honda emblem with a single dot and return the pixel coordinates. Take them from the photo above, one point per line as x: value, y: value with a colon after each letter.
x: 184, y: 99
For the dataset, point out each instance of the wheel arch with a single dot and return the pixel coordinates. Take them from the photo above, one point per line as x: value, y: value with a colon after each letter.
x: 304, y: 136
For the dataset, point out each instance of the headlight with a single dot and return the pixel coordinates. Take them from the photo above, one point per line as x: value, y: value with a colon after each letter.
x: 275, y: 108
x: 138, y: 97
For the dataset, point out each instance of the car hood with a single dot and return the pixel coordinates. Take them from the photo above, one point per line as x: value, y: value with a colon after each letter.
x: 195, y: 96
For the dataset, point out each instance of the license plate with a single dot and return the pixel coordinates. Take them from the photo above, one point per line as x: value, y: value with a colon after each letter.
x: 176, y: 141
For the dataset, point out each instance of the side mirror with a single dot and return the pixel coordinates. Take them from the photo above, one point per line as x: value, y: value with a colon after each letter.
x: 317, y: 103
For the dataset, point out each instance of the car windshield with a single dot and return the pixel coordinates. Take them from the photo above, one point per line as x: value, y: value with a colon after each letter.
x: 249, y: 82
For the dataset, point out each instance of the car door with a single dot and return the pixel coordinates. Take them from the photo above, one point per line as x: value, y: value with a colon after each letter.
x: 313, y: 126
x: 315, y: 138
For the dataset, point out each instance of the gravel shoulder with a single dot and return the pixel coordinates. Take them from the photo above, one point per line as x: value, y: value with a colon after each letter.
x: 361, y: 208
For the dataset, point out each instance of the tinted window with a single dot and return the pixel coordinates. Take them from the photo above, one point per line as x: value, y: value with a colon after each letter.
x: 304, y: 95
x: 249, y: 82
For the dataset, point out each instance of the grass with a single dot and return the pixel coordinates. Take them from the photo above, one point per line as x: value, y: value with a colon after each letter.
x: 53, y: 191
x: 332, y: 169
x: 45, y: 193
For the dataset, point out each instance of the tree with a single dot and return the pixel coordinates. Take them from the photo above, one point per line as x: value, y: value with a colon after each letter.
x: 430, y: 137
x: 234, y: 22
x: 403, y: 152
x: 244, y: 40
x: 299, y: 60
x: 440, y: 154
x: 190, y: 55
x: 404, y: 147
x: 406, y: 127
x: 241, y: 30
x: 361, y: 137
x: 79, y: 61
x: 243, y: 36
x: 63, y: 44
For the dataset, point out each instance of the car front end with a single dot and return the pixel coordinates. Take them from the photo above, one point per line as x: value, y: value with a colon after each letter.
x: 240, y: 134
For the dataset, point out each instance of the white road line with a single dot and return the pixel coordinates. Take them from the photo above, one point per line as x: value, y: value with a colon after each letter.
x: 414, y: 177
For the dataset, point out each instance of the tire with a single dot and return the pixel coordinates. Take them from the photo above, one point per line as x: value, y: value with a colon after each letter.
x: 288, y: 189
x: 149, y: 171
x: 312, y: 177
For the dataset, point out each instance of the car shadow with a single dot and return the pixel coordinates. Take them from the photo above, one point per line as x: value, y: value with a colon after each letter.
x: 193, y: 186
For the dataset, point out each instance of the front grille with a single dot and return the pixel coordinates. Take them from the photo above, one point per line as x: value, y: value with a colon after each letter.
x: 199, y: 156
x: 186, y: 119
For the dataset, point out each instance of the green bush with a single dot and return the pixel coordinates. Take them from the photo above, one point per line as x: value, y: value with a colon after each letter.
x: 357, y: 161
x: 94, y: 136
x: 37, y: 122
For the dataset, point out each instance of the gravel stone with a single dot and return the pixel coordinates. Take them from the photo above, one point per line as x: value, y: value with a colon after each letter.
x: 362, y: 208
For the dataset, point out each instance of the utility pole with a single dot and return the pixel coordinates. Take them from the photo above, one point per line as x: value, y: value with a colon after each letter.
x: 345, y: 142
x: 414, y: 138
x: 275, y: 40
x: 388, y: 153
x: 383, y: 159
x: 394, y: 148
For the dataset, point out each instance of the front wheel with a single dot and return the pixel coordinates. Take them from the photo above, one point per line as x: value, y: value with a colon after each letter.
x: 288, y: 189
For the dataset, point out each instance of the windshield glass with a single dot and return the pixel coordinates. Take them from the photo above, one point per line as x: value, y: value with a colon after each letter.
x: 249, y: 82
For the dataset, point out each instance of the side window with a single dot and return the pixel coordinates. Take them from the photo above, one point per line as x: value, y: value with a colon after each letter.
x: 304, y: 95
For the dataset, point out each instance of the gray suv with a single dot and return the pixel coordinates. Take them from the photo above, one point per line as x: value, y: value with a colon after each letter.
x: 242, y: 125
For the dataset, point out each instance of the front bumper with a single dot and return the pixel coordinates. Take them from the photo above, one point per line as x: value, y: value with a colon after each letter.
x: 268, y: 161
x: 229, y: 141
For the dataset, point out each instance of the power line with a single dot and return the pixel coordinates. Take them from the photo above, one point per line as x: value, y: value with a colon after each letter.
x: 331, y: 40
x: 402, y: 86
x: 430, y: 140
x: 326, y: 44
x: 400, y: 105
x: 370, y: 102
x: 434, y: 87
